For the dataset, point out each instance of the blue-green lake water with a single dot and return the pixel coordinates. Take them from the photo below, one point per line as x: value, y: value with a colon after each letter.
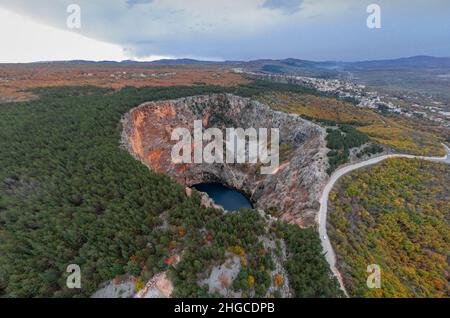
x: 229, y: 199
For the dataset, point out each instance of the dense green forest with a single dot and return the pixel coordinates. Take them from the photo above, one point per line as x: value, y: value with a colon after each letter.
x: 340, y: 141
x: 70, y: 195
x: 309, y: 273
x: 396, y: 215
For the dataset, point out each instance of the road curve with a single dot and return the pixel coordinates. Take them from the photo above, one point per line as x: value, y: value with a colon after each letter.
x: 326, y: 245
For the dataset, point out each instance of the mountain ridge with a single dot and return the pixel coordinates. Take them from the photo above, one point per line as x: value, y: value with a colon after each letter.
x: 421, y: 60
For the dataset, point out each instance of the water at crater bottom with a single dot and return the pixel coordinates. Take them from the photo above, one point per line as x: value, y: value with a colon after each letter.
x: 229, y: 199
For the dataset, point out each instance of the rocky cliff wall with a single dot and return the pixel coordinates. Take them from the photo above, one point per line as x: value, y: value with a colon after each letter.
x: 292, y: 192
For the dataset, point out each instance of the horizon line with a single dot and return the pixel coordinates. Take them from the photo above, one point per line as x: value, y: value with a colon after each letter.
x: 136, y: 61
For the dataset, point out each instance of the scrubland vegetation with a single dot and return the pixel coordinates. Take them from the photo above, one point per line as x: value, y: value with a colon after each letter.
x: 404, y: 139
x: 394, y: 214
x: 390, y: 130
x: 320, y: 108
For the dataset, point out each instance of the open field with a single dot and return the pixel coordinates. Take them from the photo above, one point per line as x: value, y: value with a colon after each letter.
x: 16, y: 79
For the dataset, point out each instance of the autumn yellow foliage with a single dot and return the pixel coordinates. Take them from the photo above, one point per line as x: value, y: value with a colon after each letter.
x: 139, y: 285
x: 251, y: 280
x: 396, y: 215
x: 278, y: 280
x: 401, y: 134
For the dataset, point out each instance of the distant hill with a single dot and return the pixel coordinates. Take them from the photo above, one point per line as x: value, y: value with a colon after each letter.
x: 420, y: 61
x: 182, y: 62
x: 335, y: 68
x: 416, y: 73
x: 290, y: 64
x: 131, y: 62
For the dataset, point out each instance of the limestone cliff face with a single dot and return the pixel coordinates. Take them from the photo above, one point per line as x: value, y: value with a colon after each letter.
x: 293, y: 191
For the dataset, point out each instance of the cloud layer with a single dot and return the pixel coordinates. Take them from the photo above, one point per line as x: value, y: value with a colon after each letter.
x: 250, y: 29
x: 286, y: 6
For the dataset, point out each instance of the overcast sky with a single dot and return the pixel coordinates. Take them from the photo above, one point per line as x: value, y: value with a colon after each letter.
x: 33, y: 30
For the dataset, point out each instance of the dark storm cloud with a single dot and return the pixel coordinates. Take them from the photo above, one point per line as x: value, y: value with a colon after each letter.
x: 249, y: 29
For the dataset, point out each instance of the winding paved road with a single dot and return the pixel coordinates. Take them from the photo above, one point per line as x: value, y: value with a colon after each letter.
x: 326, y: 245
